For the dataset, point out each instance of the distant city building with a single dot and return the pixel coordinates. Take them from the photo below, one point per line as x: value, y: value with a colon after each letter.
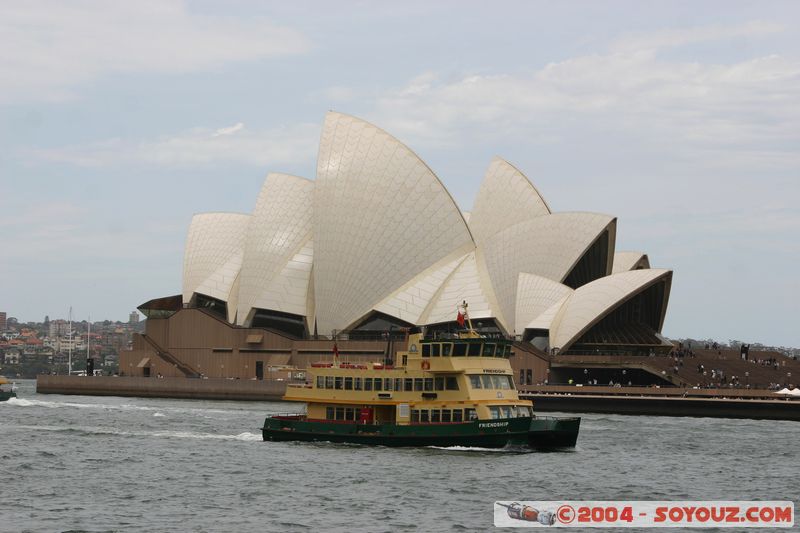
x: 2, y: 320
x: 58, y: 328
x: 64, y: 343
x: 11, y: 357
x: 134, y: 318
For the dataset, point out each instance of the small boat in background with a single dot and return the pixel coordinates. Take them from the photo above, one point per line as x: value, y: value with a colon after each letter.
x: 6, y: 394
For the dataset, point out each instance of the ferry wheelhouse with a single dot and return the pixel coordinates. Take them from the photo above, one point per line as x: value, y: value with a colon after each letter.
x: 444, y: 390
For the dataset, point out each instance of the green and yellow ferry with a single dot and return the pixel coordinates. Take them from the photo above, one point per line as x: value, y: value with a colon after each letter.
x: 456, y: 391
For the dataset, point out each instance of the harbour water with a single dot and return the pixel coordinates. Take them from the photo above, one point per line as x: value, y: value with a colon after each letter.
x: 82, y: 463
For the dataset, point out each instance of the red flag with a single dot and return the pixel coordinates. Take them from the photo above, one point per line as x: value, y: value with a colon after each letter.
x: 460, y: 319
x: 335, y: 351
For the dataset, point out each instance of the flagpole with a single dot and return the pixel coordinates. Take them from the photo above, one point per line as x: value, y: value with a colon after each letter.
x: 69, y: 364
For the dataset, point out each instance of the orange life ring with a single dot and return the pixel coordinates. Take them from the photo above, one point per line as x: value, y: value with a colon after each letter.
x: 426, y: 365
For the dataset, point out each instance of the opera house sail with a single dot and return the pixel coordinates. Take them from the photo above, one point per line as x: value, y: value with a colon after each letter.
x: 376, y: 243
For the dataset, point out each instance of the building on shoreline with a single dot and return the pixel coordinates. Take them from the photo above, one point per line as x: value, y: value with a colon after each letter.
x: 375, y: 245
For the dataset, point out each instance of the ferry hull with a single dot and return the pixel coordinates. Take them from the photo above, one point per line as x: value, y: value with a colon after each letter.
x: 482, y: 434
x: 552, y: 432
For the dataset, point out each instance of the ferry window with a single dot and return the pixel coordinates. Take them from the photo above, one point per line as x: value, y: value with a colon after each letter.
x: 500, y: 382
x: 446, y: 415
x: 378, y: 384
x: 405, y: 360
x: 457, y: 414
x: 415, y: 415
x: 330, y: 413
x: 487, y: 381
x: 459, y: 349
x: 423, y: 415
x: 524, y: 410
x: 507, y: 352
x: 428, y: 384
x: 398, y: 384
x: 340, y: 413
x: 470, y: 414
x: 348, y: 413
x: 474, y: 349
x: 426, y: 350
x: 439, y: 383
x: 418, y: 384
x: 338, y: 382
x: 348, y: 383
x: 488, y: 350
x: 356, y: 383
x: 475, y: 381
x: 494, y: 412
x: 367, y: 383
x: 435, y: 350
x: 451, y: 383
x: 320, y: 382
x: 328, y: 382
x: 446, y: 349
x: 435, y: 415
x: 409, y: 385
x: 509, y: 382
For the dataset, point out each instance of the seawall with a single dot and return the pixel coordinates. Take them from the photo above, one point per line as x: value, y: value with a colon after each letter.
x: 206, y: 389
x: 717, y: 403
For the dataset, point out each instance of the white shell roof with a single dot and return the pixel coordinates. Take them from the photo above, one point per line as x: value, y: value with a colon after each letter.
x: 377, y: 230
x: 410, y: 301
x: 278, y: 248
x: 624, y: 261
x: 213, y: 256
x: 545, y: 320
x: 535, y: 295
x: 590, y: 303
x: 547, y: 246
x: 506, y: 197
x: 464, y: 284
x: 381, y: 217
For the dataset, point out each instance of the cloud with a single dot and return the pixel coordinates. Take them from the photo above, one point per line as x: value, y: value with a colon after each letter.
x: 195, y: 147
x: 749, y: 104
x: 48, y: 48
x: 668, y: 38
x: 230, y: 130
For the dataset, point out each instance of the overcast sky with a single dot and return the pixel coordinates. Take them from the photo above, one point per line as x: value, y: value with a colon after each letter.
x: 118, y: 121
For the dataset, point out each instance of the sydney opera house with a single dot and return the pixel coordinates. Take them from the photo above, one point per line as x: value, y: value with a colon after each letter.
x: 375, y: 244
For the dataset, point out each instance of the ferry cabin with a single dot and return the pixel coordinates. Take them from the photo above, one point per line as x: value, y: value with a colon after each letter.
x: 437, y: 381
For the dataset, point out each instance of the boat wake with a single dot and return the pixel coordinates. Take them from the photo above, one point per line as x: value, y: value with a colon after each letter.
x: 507, y: 449
x: 246, y: 436
x: 189, y: 435
x: 24, y: 402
